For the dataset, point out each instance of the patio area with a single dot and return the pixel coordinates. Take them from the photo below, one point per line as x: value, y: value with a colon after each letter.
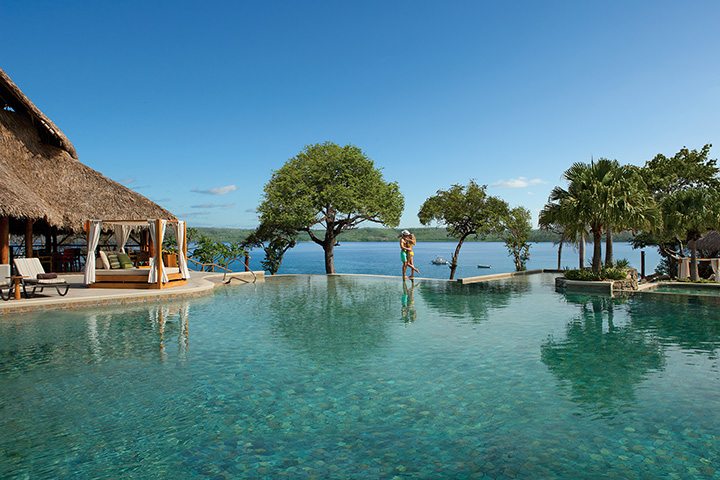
x: 79, y: 296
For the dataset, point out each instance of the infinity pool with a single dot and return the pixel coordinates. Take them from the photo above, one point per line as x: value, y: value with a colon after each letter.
x: 356, y: 377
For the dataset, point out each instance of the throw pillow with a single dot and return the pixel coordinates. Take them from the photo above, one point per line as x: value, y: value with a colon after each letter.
x: 105, y: 261
x: 125, y: 261
x: 113, y: 259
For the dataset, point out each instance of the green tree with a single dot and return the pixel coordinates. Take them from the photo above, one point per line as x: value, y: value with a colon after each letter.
x: 559, y: 216
x: 517, y: 232
x: 275, y: 240
x: 464, y: 211
x: 603, y: 195
x: 688, y: 215
x: 208, y: 251
x: 551, y: 221
x: 630, y: 206
x: 666, y: 178
x: 334, y: 187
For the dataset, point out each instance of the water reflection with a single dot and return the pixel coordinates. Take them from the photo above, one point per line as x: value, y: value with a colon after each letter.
x: 332, y: 318
x: 93, y: 336
x: 474, y: 301
x: 601, y: 359
x: 408, y: 312
x: 691, y: 325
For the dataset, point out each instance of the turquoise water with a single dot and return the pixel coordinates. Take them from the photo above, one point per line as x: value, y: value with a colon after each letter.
x: 710, y: 291
x: 355, y: 377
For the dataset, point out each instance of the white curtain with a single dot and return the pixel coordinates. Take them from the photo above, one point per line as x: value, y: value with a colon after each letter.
x: 122, y: 233
x: 684, y: 268
x: 715, y: 263
x: 157, y: 242
x: 93, y: 240
x: 182, y: 261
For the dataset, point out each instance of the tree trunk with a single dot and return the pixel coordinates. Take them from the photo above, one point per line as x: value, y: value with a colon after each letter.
x: 581, y: 250
x: 608, y: 248
x: 597, y: 250
x: 693, y: 261
x: 562, y: 239
x: 329, y: 247
x: 454, y: 262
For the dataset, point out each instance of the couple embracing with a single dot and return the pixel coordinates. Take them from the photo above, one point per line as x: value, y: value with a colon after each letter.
x: 407, y: 242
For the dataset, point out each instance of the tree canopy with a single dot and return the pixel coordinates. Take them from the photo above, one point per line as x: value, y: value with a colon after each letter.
x: 464, y: 211
x: 333, y: 187
x: 517, y: 233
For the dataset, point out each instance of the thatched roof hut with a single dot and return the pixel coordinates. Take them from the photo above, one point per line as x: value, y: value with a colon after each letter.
x: 41, y: 178
x: 709, y: 243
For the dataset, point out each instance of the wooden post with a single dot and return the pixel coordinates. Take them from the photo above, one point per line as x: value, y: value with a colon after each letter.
x: 158, y: 254
x: 29, y: 238
x: 185, y: 242
x: 642, y: 263
x: 5, y: 240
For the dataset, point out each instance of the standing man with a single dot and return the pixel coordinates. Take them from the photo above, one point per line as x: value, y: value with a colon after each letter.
x: 404, y: 252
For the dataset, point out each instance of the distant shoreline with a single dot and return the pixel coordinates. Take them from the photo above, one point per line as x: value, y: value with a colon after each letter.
x: 390, y: 235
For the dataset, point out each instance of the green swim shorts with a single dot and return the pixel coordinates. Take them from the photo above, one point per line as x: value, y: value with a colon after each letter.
x: 403, y: 256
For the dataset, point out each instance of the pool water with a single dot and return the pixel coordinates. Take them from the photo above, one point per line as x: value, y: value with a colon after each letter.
x: 711, y: 291
x: 357, y: 377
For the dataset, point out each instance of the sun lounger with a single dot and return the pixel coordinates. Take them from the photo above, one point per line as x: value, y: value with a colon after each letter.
x: 33, y: 272
x: 5, y: 282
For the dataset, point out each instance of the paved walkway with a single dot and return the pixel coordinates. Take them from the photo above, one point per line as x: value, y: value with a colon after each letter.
x: 200, y: 283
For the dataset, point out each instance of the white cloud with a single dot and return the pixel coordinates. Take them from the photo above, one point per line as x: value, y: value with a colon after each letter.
x: 213, y: 205
x: 519, y: 182
x: 217, y: 190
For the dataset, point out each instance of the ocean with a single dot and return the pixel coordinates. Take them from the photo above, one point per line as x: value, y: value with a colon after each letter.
x: 383, y: 258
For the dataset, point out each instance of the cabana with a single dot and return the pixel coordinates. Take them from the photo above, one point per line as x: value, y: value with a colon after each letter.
x: 156, y: 274
x: 44, y: 189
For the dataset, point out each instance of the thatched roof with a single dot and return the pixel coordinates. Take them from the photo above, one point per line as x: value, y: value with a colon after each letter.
x: 41, y: 178
x: 710, y: 242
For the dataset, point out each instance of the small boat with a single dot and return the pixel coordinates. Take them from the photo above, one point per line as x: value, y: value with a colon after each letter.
x: 439, y: 261
x: 484, y: 266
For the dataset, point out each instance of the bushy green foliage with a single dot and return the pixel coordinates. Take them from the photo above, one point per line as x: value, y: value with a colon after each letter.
x: 220, y: 253
x: 517, y: 232
x: 275, y: 240
x: 465, y: 211
x: 332, y: 187
x: 583, y: 275
x: 613, y: 273
x: 622, y: 263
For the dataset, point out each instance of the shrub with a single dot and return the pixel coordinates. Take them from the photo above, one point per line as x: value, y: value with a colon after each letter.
x: 614, y: 273
x: 582, y: 275
x: 623, y: 263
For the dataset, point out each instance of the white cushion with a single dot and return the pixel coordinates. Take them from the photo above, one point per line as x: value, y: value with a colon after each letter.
x: 105, y: 261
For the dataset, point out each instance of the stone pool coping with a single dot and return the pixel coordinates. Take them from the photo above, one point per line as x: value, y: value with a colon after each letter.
x: 200, y: 283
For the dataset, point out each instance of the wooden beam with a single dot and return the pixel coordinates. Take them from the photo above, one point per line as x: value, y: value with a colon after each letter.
x: 4, y: 240
x: 158, y: 253
x: 29, y: 238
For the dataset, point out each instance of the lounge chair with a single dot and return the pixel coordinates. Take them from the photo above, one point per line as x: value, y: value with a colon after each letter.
x: 5, y: 282
x: 33, y: 272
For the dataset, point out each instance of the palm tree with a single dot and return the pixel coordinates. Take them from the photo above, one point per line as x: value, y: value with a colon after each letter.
x: 603, y: 195
x: 630, y: 205
x: 559, y: 218
x: 688, y: 215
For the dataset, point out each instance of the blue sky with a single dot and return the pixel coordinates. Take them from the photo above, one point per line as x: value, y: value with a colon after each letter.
x: 194, y: 104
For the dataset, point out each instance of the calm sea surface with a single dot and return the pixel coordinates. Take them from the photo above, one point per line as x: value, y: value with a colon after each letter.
x: 383, y: 258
